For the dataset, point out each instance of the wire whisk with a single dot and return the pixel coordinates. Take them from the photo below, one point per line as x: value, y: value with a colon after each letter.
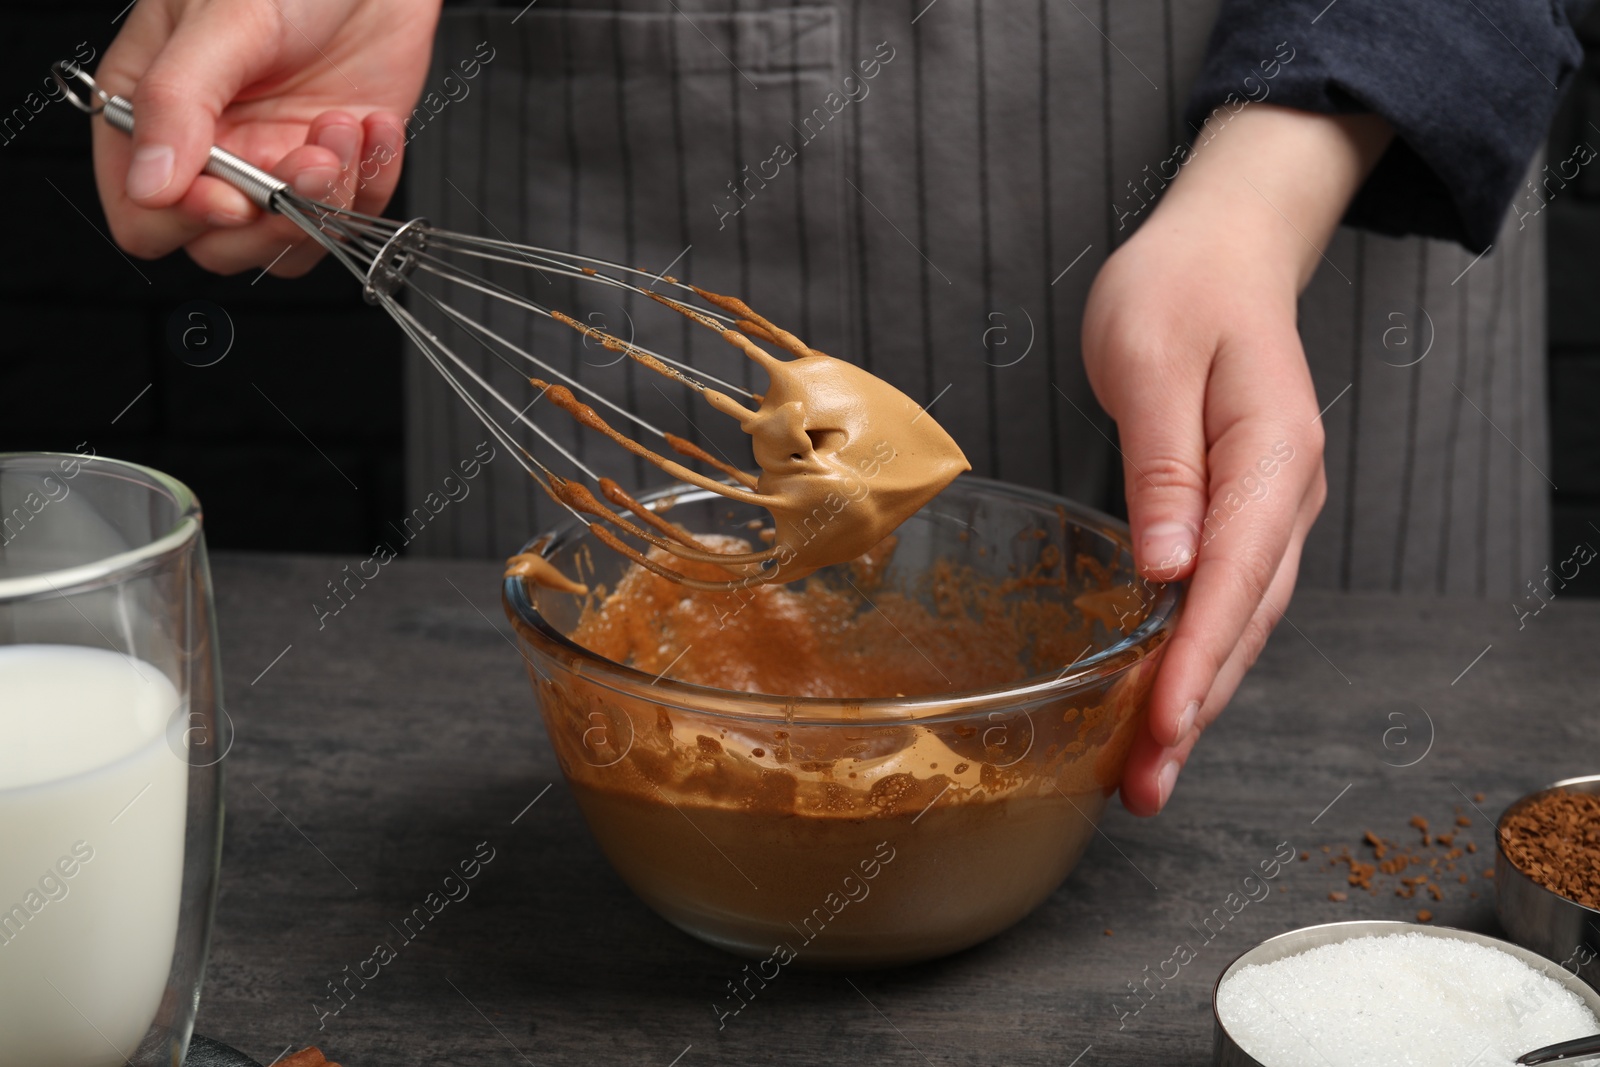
x: 390, y: 258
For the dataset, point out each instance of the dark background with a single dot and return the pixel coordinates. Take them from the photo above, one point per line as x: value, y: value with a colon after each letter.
x: 1573, y: 260
x: 92, y: 357
x: 85, y: 331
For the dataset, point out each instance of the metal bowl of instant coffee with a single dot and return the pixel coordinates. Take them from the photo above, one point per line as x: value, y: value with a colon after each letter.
x: 1547, y: 853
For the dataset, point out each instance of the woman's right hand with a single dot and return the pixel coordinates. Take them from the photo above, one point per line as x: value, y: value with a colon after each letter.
x: 312, y: 90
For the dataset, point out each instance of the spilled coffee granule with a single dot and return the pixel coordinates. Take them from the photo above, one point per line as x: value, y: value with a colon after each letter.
x: 1555, y: 840
x: 1412, y: 868
x: 306, y: 1057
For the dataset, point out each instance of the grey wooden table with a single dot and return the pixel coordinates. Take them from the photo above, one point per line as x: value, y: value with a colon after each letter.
x: 375, y: 753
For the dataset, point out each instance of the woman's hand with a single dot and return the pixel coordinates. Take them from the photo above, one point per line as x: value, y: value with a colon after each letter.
x: 1191, y: 345
x: 311, y: 90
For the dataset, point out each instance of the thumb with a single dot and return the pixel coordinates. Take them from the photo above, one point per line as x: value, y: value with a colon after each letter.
x: 210, y: 56
x: 1164, y: 470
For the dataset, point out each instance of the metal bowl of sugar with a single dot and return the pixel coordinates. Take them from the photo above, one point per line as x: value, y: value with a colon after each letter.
x: 1318, y: 995
x: 1540, y: 918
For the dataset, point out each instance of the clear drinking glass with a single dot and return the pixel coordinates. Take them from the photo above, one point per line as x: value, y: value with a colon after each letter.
x: 112, y: 735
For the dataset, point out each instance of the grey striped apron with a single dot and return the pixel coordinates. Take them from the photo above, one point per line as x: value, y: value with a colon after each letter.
x: 928, y: 190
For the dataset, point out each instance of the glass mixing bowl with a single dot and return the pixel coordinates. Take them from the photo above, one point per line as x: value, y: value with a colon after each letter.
x: 871, y: 832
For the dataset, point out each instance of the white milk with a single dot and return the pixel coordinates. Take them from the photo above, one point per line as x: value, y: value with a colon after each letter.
x: 92, y: 799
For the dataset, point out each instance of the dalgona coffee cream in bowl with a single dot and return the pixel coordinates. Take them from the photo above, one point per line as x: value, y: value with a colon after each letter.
x: 886, y: 762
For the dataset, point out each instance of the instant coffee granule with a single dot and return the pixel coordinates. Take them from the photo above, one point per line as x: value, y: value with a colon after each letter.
x: 1555, y: 840
x: 1421, y: 869
x: 310, y: 1056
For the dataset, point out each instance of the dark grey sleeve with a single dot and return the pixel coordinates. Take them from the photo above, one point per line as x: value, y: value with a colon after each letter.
x: 1468, y: 85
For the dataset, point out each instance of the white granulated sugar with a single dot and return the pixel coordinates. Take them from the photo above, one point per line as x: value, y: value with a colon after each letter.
x: 1398, y: 999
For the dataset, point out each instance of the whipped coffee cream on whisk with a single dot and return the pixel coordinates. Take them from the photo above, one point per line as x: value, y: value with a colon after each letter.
x: 845, y: 457
x: 532, y: 567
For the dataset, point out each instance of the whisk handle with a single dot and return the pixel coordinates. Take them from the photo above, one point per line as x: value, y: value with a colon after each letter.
x: 248, y: 178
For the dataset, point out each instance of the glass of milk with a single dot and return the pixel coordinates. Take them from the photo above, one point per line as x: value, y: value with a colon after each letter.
x: 112, y: 735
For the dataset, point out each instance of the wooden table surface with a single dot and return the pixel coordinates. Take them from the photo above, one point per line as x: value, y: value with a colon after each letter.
x: 375, y: 753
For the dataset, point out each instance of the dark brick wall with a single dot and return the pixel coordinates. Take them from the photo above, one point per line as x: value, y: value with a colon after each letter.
x: 1573, y: 217
x: 84, y: 331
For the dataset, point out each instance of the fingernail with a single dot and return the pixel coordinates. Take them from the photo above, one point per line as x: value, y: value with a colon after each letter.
x: 226, y: 220
x: 341, y: 141
x: 381, y: 150
x: 1167, y: 547
x: 150, y: 170
x: 316, y: 183
x: 1191, y: 711
x: 1167, y: 779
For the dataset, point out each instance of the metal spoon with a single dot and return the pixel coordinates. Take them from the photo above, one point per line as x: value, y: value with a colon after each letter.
x: 1577, y: 1049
